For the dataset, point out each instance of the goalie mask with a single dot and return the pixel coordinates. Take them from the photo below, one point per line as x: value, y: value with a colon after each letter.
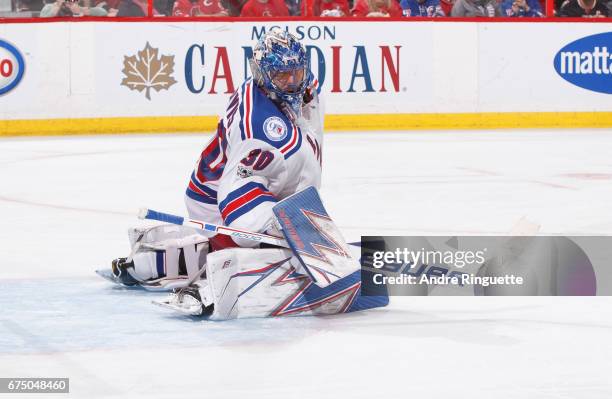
x: 280, y: 67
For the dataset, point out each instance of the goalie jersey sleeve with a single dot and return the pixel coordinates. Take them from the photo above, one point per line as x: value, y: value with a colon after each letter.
x: 250, y: 186
x: 258, y: 157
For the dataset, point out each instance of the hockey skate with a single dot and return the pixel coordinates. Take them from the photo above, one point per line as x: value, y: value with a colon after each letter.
x: 119, y: 274
x: 191, y: 301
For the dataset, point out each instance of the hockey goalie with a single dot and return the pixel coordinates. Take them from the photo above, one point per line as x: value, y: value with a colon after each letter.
x: 259, y: 173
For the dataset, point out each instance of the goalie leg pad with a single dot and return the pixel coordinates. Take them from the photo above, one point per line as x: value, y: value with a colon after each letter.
x: 245, y: 282
x: 167, y: 251
x: 314, y: 238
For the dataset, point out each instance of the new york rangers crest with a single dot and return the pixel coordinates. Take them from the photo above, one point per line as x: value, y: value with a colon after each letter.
x: 275, y: 128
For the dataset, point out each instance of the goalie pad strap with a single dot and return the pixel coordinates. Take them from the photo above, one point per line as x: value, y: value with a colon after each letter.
x: 172, y: 262
x: 167, y: 251
x: 191, y: 256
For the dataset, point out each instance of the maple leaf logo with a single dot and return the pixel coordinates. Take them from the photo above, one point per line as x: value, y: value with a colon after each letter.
x: 146, y: 71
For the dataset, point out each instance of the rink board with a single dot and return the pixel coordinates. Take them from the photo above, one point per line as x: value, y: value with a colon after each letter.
x: 400, y: 75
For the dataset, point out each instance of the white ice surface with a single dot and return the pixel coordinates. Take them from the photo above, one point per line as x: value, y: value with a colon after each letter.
x: 66, y: 203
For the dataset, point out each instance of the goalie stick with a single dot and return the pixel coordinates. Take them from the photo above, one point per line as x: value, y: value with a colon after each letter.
x: 150, y: 214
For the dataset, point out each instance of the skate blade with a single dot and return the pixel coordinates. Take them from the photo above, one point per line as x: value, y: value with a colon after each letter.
x: 108, y: 275
x: 187, y: 311
x: 159, y: 285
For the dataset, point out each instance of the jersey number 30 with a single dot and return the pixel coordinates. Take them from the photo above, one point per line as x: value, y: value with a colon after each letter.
x: 258, y: 159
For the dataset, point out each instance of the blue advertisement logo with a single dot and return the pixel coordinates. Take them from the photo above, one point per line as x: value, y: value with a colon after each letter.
x: 12, y: 67
x: 587, y: 63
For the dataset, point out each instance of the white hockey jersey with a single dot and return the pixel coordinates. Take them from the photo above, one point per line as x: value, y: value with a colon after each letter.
x: 257, y: 157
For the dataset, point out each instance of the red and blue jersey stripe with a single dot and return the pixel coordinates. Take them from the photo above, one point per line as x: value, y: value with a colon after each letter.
x: 294, y: 143
x: 246, y: 111
x: 201, y: 192
x: 243, y: 200
x: 209, y: 169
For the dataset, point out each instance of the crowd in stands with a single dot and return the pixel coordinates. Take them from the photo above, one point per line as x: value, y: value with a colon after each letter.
x: 322, y: 8
x: 78, y: 8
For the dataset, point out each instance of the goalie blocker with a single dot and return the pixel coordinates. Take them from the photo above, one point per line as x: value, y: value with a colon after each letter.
x: 319, y: 275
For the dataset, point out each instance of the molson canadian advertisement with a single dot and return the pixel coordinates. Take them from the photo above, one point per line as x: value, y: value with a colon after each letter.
x: 436, y: 75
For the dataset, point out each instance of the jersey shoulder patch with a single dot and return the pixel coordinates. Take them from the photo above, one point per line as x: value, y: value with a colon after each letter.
x: 275, y: 128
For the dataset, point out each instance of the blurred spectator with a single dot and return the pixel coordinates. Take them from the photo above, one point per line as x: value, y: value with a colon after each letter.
x: 447, y: 6
x: 584, y: 8
x: 475, y: 8
x: 194, y: 8
x: 521, y: 8
x: 294, y: 7
x: 58, y: 8
x: 107, y: 4
x: 162, y: 8
x: 234, y: 7
x: 376, y: 8
x: 329, y: 8
x: 29, y: 5
x: 111, y: 6
x: 422, y: 8
x: 132, y: 8
x: 264, y: 8
x: 62, y: 8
